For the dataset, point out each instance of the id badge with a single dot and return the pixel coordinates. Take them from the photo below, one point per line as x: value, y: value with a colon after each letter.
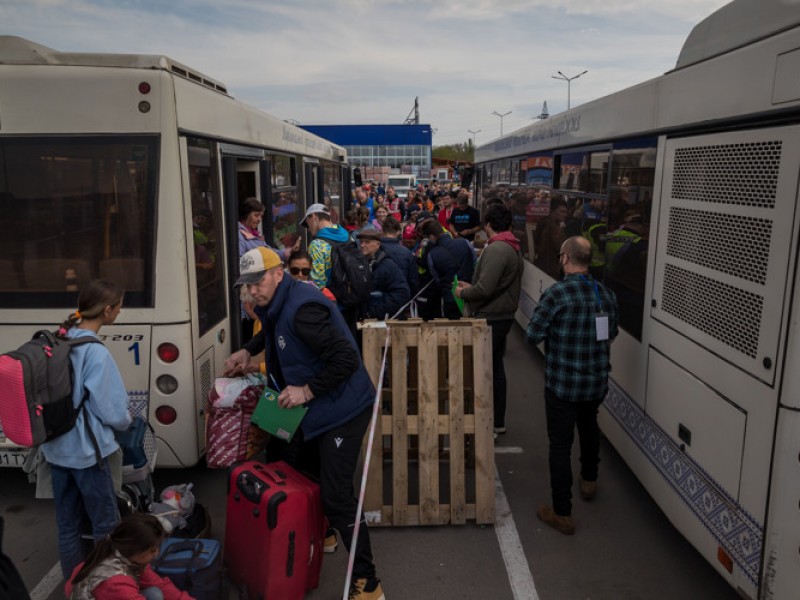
x: 601, y: 326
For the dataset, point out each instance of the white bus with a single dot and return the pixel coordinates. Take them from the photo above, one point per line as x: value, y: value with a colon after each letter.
x: 132, y: 168
x: 687, y: 187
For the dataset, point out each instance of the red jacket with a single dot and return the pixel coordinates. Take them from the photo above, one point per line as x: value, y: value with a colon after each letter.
x: 125, y: 587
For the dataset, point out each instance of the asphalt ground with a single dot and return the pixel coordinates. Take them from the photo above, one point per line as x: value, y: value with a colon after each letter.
x: 624, y: 547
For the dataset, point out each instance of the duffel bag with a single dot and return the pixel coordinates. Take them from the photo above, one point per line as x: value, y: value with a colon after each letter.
x: 194, y: 566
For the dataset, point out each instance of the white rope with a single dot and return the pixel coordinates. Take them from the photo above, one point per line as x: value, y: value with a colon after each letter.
x: 411, y: 302
x: 357, y: 526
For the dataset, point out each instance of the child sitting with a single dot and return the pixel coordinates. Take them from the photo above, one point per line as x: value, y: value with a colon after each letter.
x: 119, y: 566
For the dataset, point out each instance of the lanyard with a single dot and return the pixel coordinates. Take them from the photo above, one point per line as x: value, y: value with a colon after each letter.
x: 596, y: 292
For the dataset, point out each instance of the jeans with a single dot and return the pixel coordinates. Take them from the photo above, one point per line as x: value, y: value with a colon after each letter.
x: 500, y: 329
x: 562, y: 417
x: 81, y: 496
x: 152, y: 593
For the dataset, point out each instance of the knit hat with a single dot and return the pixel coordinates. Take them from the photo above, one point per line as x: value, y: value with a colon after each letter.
x: 254, y: 263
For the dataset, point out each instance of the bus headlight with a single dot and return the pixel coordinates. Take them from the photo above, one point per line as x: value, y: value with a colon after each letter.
x: 166, y: 384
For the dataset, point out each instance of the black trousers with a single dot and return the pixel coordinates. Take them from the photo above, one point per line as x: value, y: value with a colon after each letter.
x: 333, y: 458
x: 562, y: 417
x: 500, y: 329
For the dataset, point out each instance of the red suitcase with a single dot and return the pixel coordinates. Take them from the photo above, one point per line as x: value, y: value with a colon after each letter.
x: 274, y: 531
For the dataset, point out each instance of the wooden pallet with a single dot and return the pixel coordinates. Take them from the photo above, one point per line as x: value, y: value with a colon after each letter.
x: 433, y: 457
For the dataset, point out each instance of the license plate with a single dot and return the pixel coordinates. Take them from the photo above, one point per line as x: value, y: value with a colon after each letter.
x: 12, y: 458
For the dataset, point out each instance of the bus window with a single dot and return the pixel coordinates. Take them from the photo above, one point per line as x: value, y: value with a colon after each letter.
x: 598, y: 173
x: 76, y: 209
x: 206, y: 231
x: 285, y: 212
x: 626, y: 247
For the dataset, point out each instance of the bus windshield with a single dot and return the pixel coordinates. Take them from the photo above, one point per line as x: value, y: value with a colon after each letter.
x: 75, y: 209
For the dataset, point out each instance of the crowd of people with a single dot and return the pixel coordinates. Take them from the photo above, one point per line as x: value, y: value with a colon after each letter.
x: 431, y: 255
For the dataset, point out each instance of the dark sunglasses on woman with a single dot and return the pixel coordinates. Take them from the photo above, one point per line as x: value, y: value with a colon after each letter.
x: 298, y: 270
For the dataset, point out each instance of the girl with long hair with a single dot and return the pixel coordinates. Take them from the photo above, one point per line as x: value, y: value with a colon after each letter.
x: 82, y: 485
x: 119, y: 565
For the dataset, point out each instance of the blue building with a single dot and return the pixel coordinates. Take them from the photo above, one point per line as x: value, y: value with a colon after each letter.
x: 382, y: 149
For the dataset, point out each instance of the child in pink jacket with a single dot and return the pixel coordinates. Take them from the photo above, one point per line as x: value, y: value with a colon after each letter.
x: 119, y: 566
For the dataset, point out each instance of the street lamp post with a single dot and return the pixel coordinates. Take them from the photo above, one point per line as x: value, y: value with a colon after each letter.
x: 473, y: 135
x: 501, y: 119
x: 569, y: 82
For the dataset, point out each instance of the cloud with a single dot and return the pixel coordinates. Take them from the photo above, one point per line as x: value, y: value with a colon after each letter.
x: 361, y: 61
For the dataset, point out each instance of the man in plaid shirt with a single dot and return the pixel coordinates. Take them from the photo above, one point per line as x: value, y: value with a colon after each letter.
x: 577, y: 319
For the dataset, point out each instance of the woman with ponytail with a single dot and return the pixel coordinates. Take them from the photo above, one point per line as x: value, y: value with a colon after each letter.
x: 82, y: 485
x: 119, y: 566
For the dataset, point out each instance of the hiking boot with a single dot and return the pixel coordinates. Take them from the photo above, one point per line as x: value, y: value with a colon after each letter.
x: 547, y: 515
x: 500, y: 430
x: 329, y: 544
x: 366, y: 589
x: 588, y: 489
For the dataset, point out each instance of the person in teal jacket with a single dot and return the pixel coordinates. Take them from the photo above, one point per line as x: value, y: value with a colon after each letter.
x: 82, y: 486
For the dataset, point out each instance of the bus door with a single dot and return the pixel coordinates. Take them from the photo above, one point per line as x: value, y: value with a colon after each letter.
x: 313, y: 182
x: 246, y: 174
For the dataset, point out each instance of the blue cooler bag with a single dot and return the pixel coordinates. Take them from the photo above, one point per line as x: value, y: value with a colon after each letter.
x: 132, y: 443
x: 194, y: 566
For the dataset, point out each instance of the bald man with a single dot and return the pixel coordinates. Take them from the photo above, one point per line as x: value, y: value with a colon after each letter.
x: 577, y: 319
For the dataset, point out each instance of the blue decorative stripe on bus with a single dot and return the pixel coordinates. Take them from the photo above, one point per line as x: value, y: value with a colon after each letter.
x: 732, y: 526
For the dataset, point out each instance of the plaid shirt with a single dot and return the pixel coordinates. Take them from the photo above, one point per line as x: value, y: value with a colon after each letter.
x: 577, y: 364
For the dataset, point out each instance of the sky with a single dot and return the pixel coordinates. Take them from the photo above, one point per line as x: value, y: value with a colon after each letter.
x: 365, y: 61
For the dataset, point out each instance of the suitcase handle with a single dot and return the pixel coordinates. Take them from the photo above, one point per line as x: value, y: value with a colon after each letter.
x: 272, y: 509
x: 251, y: 486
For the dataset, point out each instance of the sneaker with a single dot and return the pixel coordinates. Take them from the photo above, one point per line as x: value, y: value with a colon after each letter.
x: 588, y: 489
x: 499, y: 430
x: 366, y: 589
x: 547, y: 515
x: 329, y: 545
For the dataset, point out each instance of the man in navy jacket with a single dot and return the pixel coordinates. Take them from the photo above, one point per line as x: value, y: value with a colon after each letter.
x: 313, y: 358
x: 447, y: 259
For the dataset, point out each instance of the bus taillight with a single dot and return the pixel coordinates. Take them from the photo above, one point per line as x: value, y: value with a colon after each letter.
x: 166, y: 415
x: 144, y: 88
x: 168, y: 352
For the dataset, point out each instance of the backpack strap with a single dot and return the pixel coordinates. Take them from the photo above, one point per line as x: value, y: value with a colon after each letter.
x: 82, y: 406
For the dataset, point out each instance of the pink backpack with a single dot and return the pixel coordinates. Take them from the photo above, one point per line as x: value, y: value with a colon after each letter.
x: 36, y: 389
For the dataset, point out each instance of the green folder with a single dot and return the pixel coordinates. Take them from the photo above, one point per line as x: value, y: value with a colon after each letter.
x: 280, y: 422
x: 459, y: 301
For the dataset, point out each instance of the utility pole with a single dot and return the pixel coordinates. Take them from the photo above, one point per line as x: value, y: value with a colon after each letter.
x: 569, y: 82
x: 473, y: 135
x: 501, y: 119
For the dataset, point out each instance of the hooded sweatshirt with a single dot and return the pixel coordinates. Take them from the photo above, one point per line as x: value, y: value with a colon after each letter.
x: 320, y: 252
x: 494, y: 293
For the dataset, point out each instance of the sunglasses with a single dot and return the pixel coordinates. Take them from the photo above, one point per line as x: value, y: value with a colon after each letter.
x: 298, y: 270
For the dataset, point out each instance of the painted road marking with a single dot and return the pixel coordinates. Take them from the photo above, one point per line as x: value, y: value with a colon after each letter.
x: 48, y: 584
x: 508, y: 450
x: 519, y: 574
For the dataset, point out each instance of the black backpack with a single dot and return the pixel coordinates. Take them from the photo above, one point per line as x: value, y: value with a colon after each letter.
x: 351, y: 276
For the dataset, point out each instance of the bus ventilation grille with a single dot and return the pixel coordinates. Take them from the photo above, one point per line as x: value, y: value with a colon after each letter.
x: 740, y: 248
x: 725, y: 312
x: 744, y: 174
